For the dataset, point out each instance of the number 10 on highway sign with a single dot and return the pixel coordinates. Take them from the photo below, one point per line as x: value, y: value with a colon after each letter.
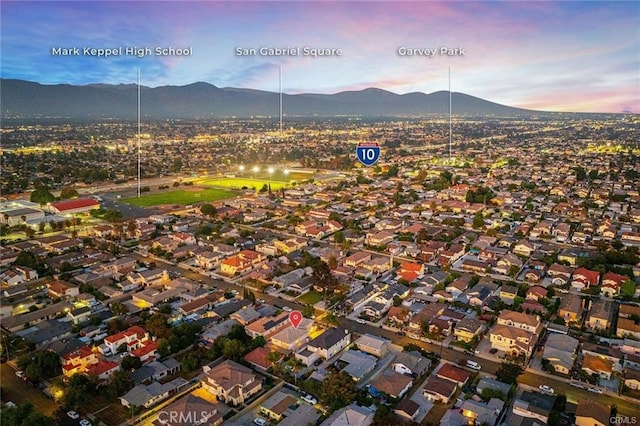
x: 368, y: 153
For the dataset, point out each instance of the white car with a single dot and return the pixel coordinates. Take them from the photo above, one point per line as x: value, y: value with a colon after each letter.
x: 260, y: 300
x: 577, y: 385
x: 361, y: 321
x: 85, y: 422
x: 74, y: 415
x: 595, y: 390
x: 259, y: 421
x: 20, y: 373
x: 309, y: 399
x: 546, y: 389
x: 287, y: 309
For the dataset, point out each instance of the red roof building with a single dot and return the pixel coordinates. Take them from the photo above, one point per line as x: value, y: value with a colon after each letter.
x: 454, y: 374
x: 258, y: 358
x: 79, y: 205
x: 103, y: 370
x: 147, y: 352
x: 583, y: 277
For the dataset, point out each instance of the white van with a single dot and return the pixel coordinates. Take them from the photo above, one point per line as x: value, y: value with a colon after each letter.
x: 473, y: 365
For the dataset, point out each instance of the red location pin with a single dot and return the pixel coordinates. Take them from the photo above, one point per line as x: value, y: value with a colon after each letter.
x: 296, y: 318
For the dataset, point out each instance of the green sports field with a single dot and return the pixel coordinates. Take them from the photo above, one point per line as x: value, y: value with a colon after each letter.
x: 238, y: 183
x: 181, y: 196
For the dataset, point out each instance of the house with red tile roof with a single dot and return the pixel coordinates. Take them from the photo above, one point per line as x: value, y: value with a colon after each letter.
x: 259, y: 358
x: 133, y: 338
x: 60, y: 289
x: 78, y: 361
x: 103, y: 370
x: 584, y: 278
x: 536, y: 293
x: 147, y: 352
x: 454, y: 374
x: 611, y: 284
x: 410, y: 271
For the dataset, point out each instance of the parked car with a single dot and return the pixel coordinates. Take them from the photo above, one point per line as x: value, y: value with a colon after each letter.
x: 473, y: 365
x: 493, y: 351
x: 361, y: 321
x: 73, y: 414
x: 546, y: 389
x: 577, y: 385
x: 20, y: 373
x: 595, y: 390
x: 85, y: 422
x: 259, y: 421
x: 287, y: 309
x: 309, y: 399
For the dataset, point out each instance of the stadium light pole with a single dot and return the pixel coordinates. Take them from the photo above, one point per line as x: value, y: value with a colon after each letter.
x: 240, y: 170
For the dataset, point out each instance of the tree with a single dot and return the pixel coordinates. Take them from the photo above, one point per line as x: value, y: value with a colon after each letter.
x: 130, y: 362
x: 118, y: 308
x: 119, y: 383
x: 68, y: 192
x: 78, y: 388
x: 116, y: 325
x: 113, y: 215
x: 157, y: 326
x: 190, y: 363
x: 508, y: 372
x: 628, y: 289
x: 333, y: 262
x: 164, y: 348
x: 208, y: 210
x: 24, y: 415
x: 28, y: 259
x: 308, y: 312
x: 323, y: 278
x: 42, y: 196
x: 478, y: 221
x: 233, y: 349
x: 338, y: 390
x: 273, y: 357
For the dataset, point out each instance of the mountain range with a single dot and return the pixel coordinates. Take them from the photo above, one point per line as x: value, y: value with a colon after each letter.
x: 26, y: 99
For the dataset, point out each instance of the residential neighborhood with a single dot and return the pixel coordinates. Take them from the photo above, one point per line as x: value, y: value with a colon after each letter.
x: 500, y: 290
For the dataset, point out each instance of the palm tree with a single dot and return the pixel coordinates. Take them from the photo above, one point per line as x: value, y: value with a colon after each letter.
x: 273, y: 357
x: 296, y: 365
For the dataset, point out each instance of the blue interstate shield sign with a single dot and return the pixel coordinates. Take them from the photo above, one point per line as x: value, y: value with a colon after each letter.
x: 368, y: 153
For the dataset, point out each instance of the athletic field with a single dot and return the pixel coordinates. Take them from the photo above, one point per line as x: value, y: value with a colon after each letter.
x: 181, y: 196
x: 239, y: 183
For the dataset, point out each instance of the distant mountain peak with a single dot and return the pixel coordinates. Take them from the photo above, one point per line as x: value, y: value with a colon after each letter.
x: 26, y: 99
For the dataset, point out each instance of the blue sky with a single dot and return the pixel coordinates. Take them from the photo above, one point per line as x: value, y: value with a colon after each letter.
x: 555, y: 56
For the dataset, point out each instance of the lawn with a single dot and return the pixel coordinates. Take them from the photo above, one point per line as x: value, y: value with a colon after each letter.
x: 310, y: 298
x: 238, y: 183
x: 180, y: 196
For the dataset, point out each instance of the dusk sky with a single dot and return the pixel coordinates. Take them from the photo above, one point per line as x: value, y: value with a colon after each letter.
x: 552, y: 56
